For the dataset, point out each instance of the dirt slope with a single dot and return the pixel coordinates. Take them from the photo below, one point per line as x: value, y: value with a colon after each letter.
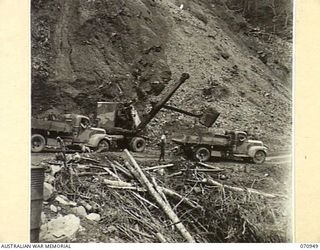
x: 92, y: 50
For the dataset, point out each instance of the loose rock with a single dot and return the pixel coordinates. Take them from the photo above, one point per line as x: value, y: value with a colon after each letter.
x: 93, y: 217
x: 86, y: 205
x: 43, y: 218
x: 65, y: 201
x: 53, y: 208
x: 55, y: 169
x: 62, y: 228
x: 47, y: 191
x: 112, y: 229
x: 80, y: 211
x: 49, y: 178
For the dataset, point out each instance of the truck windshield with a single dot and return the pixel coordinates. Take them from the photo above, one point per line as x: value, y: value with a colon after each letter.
x: 84, y: 123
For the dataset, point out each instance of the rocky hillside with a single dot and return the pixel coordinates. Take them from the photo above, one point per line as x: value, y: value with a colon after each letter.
x: 84, y: 51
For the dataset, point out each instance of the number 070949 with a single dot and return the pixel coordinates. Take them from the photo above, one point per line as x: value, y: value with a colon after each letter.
x: 309, y: 246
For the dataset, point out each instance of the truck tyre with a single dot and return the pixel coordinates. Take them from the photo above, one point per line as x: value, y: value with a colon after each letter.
x: 137, y: 144
x: 202, y: 154
x: 38, y: 143
x: 259, y: 157
x: 103, y: 146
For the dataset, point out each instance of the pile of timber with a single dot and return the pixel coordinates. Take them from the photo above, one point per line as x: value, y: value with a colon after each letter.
x: 170, y: 208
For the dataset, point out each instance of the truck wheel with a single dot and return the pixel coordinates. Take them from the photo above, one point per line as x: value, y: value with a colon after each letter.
x: 137, y: 144
x: 103, y: 146
x: 38, y: 143
x: 202, y: 153
x: 259, y: 157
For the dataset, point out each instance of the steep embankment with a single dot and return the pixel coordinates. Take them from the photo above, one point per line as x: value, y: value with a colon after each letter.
x: 97, y: 50
x: 88, y: 51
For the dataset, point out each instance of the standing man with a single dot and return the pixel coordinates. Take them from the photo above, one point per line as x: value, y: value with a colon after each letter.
x: 162, y: 144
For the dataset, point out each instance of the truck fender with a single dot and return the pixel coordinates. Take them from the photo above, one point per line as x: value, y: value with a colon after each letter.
x: 252, y: 150
x: 95, y: 139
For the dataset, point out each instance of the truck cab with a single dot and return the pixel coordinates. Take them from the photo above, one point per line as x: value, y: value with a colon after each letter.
x: 82, y: 128
x: 241, y: 146
x: 72, y: 128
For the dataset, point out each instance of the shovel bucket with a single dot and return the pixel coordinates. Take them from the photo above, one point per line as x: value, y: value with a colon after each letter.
x: 209, y: 117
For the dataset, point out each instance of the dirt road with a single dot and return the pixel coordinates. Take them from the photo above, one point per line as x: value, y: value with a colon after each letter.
x: 153, y: 155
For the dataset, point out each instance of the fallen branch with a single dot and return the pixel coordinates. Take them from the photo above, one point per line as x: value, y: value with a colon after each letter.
x: 208, y: 166
x: 174, y: 194
x: 167, y: 210
x: 158, y: 189
x: 53, y: 163
x: 145, y: 200
x: 144, y: 205
x: 161, y: 238
x: 142, y: 233
x: 174, y: 174
x: 159, y: 167
x: 198, y: 223
x: 92, y: 173
x: 202, y: 170
x: 238, y: 189
x: 89, y: 159
x: 107, y: 170
x: 102, y: 167
x: 139, y: 189
x: 184, y: 197
x: 125, y: 231
x: 166, y: 191
x: 112, y: 174
x: 120, y: 168
x: 117, y: 183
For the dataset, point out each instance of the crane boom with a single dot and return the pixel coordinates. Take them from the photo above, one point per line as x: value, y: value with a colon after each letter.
x: 156, y: 108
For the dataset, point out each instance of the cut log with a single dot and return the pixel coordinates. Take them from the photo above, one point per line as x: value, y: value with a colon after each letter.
x: 167, y: 210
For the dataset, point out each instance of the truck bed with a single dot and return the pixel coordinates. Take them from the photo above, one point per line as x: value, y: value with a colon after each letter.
x: 201, y: 139
x: 57, y: 126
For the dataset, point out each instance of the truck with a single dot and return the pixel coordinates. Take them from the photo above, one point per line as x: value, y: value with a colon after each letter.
x: 75, y: 130
x: 122, y: 121
x: 232, y: 144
